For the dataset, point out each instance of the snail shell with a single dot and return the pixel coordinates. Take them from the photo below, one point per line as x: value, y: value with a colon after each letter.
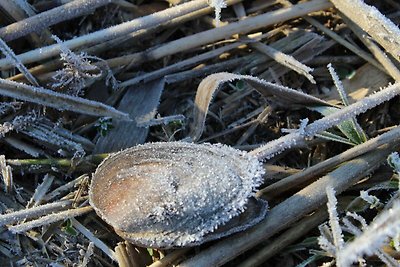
x: 177, y: 194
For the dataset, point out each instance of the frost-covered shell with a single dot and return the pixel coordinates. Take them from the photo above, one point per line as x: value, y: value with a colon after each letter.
x: 177, y: 194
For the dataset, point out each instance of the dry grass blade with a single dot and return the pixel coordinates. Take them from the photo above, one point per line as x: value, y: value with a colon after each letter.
x: 289, y: 211
x: 286, y: 60
x: 139, y: 103
x: 374, y: 48
x: 179, y: 65
x: 279, y: 145
x: 14, y: 217
x: 51, y: 218
x: 58, y: 101
x: 110, y: 33
x: 41, y: 190
x: 97, y: 242
x: 213, y: 35
x: 45, y: 19
x: 345, y: 43
x: 211, y: 84
x: 373, y: 22
x: 288, y: 237
x: 391, y: 137
x: 13, y: 58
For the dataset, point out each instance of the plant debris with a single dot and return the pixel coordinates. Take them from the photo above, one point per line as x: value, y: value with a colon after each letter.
x: 307, y: 89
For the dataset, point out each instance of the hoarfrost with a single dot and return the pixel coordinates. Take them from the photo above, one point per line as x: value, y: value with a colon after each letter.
x: 10, y: 55
x: 78, y: 70
x: 172, y: 194
x: 218, y: 5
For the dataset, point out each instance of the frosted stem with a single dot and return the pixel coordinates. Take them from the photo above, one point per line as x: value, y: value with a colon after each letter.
x: 14, y: 217
x: 57, y: 100
x: 111, y: 33
x: 373, y: 22
x: 285, y: 142
x: 46, y: 220
x: 39, y: 22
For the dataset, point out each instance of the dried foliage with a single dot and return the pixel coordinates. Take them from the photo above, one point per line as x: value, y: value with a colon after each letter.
x: 308, y: 88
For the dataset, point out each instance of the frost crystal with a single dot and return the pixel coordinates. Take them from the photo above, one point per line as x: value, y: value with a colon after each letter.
x: 78, y: 70
x: 173, y: 194
x: 218, y: 5
x: 19, y: 123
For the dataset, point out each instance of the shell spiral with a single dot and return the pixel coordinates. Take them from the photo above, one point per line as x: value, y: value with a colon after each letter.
x: 173, y: 194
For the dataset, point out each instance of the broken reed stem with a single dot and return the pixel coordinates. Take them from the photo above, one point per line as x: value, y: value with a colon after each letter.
x: 216, y: 34
x: 382, y: 58
x: 195, y: 60
x: 285, y: 239
x: 285, y: 142
x: 98, y: 48
x: 14, y: 217
x: 57, y: 100
x: 110, y: 33
x: 390, y: 137
x: 97, y: 242
x: 359, y: 52
x: 289, y: 211
x: 368, y: 18
x: 179, y: 65
x: 285, y: 60
x: 48, y: 219
x: 53, y: 16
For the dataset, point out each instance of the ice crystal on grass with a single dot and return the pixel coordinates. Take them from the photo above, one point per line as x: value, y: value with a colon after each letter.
x: 218, y: 5
x: 370, y: 241
x: 6, y: 174
x: 7, y: 51
x: 79, y: 70
x: 394, y: 162
x: 368, y: 238
x: 18, y: 123
x: 6, y: 107
x: 372, y: 200
x: 334, y: 218
x: 338, y: 85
